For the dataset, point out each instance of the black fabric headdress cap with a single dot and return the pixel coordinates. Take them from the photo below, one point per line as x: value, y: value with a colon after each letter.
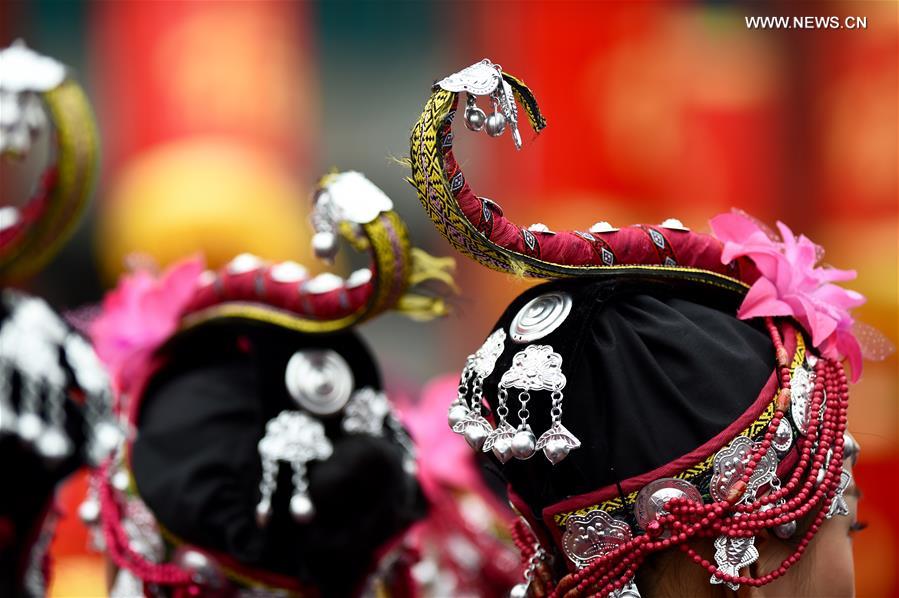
x: 196, y: 465
x: 652, y: 373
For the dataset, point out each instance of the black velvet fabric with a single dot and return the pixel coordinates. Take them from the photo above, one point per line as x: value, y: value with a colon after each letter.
x: 196, y: 464
x: 652, y: 373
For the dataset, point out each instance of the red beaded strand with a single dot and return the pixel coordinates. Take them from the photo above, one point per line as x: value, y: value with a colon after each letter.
x: 802, y: 493
x: 118, y: 545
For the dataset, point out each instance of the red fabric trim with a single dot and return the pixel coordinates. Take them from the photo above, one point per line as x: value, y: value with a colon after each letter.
x: 630, y: 245
x: 258, y: 287
x: 765, y: 396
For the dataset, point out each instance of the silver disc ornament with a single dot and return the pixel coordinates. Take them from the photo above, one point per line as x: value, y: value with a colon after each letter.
x: 320, y: 381
x: 540, y: 317
x: 652, y: 498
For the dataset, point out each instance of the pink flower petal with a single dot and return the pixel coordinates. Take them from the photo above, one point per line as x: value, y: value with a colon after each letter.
x: 761, y: 301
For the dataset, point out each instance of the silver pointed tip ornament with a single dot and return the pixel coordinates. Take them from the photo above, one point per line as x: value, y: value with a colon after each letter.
x: 475, y: 436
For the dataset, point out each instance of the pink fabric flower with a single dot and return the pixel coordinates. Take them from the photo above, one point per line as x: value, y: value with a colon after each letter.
x: 792, y: 285
x: 140, y: 314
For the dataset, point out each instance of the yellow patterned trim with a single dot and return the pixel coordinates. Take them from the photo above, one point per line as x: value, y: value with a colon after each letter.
x: 77, y: 158
x: 435, y: 194
x: 694, y: 471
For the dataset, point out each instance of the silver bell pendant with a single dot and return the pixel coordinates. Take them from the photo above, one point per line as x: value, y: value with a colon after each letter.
x: 457, y: 412
x: 475, y: 118
x: 301, y: 508
x: 496, y: 124
x: 524, y: 443
x: 519, y: 591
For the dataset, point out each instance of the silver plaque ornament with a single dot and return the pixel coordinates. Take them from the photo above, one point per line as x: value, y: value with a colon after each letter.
x: 296, y: 439
x: 588, y: 537
x: 536, y: 367
x: 652, y: 498
x: 730, y: 463
x: 801, y: 385
x: 539, y: 367
x: 365, y: 412
x: 481, y: 78
x: 319, y: 380
x: 540, y: 316
x: 731, y: 555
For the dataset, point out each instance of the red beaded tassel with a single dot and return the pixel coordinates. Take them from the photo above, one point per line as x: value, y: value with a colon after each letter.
x: 802, y: 493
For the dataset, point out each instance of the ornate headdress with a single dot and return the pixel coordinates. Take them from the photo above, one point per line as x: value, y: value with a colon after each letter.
x: 681, y: 421
x: 39, y: 102
x: 261, y: 442
x: 54, y: 393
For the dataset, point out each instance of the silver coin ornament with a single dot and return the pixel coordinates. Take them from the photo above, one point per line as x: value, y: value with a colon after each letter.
x: 652, y: 498
x: 320, y: 381
x: 540, y: 317
x: 496, y: 124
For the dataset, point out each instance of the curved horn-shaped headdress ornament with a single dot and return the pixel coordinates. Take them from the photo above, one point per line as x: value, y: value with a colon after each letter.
x: 345, y: 204
x: 31, y: 84
x: 476, y: 226
x: 282, y: 294
x: 775, y: 275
